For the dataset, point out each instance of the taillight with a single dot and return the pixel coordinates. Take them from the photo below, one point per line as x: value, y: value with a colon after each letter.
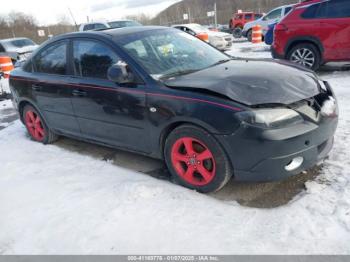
x: 281, y: 27
x: 203, y: 36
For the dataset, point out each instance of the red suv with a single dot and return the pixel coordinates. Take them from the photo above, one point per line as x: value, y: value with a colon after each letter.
x: 314, y: 33
x: 240, y: 19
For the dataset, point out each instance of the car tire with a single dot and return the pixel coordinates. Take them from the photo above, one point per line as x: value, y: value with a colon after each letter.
x: 37, y: 127
x: 237, y: 32
x: 196, y: 160
x: 305, y: 54
x: 250, y: 35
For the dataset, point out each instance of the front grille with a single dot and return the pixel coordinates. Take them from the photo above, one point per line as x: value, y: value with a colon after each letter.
x: 307, y: 109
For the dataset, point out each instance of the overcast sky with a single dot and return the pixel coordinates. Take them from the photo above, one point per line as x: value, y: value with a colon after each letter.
x: 46, y: 11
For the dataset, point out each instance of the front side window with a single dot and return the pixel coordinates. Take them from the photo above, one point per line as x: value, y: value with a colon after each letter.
x: 248, y: 16
x: 287, y: 10
x: 92, y: 59
x: 52, y: 60
x: 167, y: 52
x: 273, y: 14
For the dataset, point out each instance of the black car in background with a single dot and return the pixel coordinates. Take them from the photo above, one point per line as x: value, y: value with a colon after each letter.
x: 163, y: 93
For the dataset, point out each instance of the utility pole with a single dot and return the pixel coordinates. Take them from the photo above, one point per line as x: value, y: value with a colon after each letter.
x: 215, y: 16
x: 189, y: 15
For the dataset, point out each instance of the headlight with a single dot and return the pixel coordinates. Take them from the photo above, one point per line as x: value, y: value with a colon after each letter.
x: 271, y: 118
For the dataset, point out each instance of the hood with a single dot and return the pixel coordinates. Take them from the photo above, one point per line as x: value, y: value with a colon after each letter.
x: 22, y: 50
x: 252, y: 82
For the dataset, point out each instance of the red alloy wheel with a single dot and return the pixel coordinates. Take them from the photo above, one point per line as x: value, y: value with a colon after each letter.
x: 193, y: 161
x: 35, y: 126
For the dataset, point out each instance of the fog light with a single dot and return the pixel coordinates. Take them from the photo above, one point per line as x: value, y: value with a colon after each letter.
x: 294, y: 164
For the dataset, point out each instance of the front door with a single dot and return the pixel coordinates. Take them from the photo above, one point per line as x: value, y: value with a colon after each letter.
x: 106, y: 112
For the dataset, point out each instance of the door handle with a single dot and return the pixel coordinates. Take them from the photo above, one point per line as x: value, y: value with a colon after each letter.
x: 79, y: 93
x: 36, y: 87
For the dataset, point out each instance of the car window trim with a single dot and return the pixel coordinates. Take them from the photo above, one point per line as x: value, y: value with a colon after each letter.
x: 139, y: 79
x: 43, y: 50
x: 71, y: 55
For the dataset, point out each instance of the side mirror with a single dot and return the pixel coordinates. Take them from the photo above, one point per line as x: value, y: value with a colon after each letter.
x: 120, y: 74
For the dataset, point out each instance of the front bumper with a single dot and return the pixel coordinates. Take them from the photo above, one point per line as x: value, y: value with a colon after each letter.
x: 223, y: 44
x: 262, y: 155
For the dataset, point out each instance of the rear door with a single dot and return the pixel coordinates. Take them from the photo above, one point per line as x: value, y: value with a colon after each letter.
x: 50, y: 90
x: 106, y: 112
x: 337, y: 21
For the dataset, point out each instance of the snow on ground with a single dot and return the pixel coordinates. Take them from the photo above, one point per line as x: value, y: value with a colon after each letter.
x: 4, y: 86
x: 53, y: 201
x: 5, y: 112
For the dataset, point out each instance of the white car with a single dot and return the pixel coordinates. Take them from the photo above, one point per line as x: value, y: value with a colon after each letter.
x: 93, y: 26
x: 18, y: 49
x: 220, y: 40
x: 271, y: 17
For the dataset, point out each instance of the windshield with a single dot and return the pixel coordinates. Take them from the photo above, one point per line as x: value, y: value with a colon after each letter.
x: 119, y: 24
x: 165, y: 53
x: 18, y: 43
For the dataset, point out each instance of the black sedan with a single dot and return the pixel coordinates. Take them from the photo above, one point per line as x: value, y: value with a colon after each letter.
x: 163, y: 93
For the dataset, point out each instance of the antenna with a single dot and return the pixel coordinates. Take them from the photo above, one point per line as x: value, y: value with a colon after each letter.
x: 76, y: 25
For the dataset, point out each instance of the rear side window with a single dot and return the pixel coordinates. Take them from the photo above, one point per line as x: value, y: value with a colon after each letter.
x: 257, y: 16
x: 315, y: 11
x: 287, y: 10
x: 52, y: 60
x: 338, y: 9
x: 92, y: 59
x: 99, y: 26
x: 2, y: 49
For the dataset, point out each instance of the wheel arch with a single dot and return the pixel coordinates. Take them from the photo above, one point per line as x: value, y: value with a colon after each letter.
x: 306, y: 39
x: 22, y: 103
x: 167, y: 129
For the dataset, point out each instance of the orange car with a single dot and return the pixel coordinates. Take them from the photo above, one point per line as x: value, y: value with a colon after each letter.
x: 240, y: 19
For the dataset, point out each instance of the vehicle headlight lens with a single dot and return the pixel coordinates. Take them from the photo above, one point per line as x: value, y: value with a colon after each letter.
x: 271, y: 118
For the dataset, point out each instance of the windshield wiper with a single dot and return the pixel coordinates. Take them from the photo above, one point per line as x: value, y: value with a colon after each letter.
x: 221, y: 62
x: 178, y: 73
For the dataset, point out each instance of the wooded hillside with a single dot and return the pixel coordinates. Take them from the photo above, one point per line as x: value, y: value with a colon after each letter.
x: 198, y: 10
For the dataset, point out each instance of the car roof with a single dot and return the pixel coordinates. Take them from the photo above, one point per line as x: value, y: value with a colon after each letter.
x: 247, y: 13
x: 109, y: 32
x: 96, y: 22
x: 310, y: 2
x: 12, y: 39
x: 123, y: 20
x: 187, y: 25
